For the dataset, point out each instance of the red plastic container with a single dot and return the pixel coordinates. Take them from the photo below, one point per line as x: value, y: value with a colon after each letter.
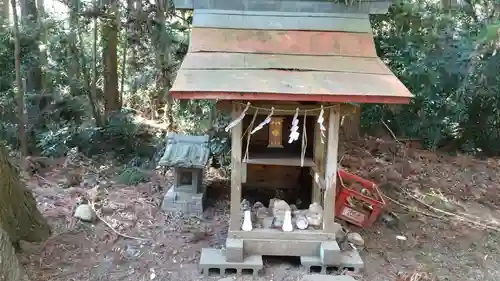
x: 359, y: 201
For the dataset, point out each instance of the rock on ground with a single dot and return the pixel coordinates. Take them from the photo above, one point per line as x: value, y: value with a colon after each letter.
x: 84, y: 212
x: 355, y: 238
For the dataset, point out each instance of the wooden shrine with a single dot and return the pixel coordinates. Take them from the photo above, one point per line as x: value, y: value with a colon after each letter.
x: 274, y: 68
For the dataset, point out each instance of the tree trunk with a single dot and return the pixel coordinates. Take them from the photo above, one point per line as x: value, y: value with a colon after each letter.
x: 110, y: 58
x: 124, y: 66
x: 45, y: 80
x: 93, y: 88
x: 10, y: 269
x: 29, y: 15
x: 448, y: 5
x: 162, y: 42
x: 74, y: 68
x: 19, y: 218
x: 21, y: 115
x: 351, y: 124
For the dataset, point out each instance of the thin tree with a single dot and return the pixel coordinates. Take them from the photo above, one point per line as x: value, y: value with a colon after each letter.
x: 93, y: 88
x: 110, y: 59
x: 20, y: 88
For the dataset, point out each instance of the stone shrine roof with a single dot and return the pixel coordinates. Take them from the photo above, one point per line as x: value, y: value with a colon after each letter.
x: 184, y: 151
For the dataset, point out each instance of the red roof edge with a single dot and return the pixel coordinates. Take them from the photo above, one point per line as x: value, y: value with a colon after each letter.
x: 290, y: 97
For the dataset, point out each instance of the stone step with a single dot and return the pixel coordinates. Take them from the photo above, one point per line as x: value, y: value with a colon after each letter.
x: 329, y: 251
x: 350, y: 260
x: 215, y: 260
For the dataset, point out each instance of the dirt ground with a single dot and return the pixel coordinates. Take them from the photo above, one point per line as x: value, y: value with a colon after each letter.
x: 446, y: 207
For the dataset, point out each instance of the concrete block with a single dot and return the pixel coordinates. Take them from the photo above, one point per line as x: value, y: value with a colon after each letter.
x: 234, y: 250
x: 330, y: 253
x: 352, y: 261
x: 214, y: 259
x: 320, y: 277
x: 310, y: 262
x: 349, y: 260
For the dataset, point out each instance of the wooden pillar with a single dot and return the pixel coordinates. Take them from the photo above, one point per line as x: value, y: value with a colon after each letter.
x: 319, y: 160
x: 329, y: 226
x: 236, y: 145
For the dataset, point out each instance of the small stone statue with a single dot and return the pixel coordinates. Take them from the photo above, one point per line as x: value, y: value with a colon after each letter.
x: 271, y: 204
x: 244, y: 205
x: 260, y: 215
x: 279, y: 209
x: 314, y: 215
x: 287, y: 222
x: 257, y: 205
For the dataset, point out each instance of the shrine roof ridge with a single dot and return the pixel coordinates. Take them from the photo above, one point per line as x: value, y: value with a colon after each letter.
x: 184, y: 151
x: 308, y: 6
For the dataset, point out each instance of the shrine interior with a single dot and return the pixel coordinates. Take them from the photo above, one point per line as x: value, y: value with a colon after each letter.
x: 273, y: 167
x: 260, y: 140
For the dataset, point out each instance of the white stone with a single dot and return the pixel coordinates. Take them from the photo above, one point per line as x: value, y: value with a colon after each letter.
x: 301, y: 222
x: 280, y: 207
x: 84, y: 213
x: 355, y: 238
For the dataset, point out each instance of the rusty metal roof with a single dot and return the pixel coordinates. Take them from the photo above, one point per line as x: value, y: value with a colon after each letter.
x: 185, y: 151
x: 269, y: 58
x: 308, y: 6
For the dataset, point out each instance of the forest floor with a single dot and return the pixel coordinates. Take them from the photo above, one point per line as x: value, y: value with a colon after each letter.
x: 446, y: 207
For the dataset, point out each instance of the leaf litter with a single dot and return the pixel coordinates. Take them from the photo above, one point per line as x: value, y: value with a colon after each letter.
x: 431, y: 195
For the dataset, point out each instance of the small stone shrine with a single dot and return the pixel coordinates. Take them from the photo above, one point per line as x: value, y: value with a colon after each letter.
x: 188, y: 156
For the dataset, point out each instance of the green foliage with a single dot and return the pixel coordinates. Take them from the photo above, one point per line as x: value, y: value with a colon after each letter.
x: 66, y: 121
x: 200, y: 117
x: 450, y: 63
x: 121, y: 136
x: 133, y: 176
x: 57, y: 141
x: 7, y: 74
x: 448, y: 60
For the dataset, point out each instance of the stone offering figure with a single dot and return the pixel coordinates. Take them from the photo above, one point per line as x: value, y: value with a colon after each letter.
x: 279, y: 209
x: 260, y: 216
x: 314, y: 215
